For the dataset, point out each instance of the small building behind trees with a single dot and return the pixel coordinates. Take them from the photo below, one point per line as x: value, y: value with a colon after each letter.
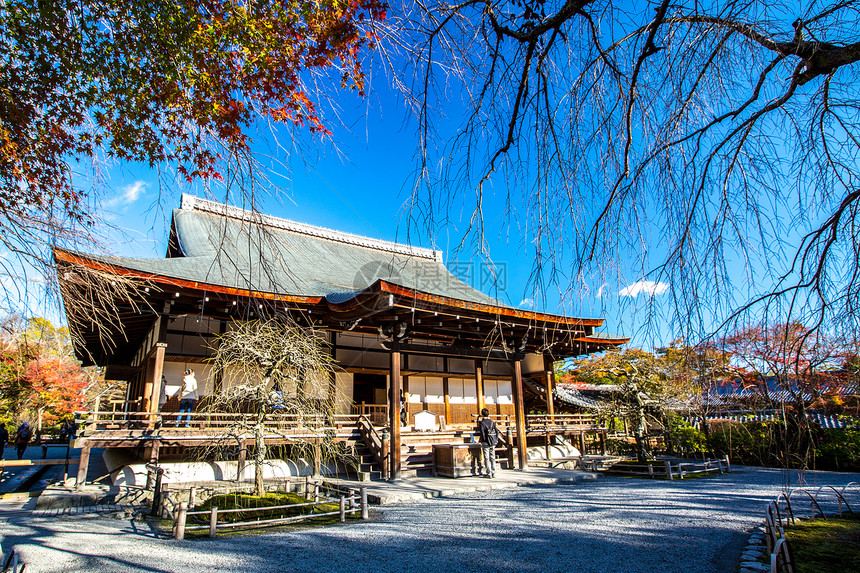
x: 404, y: 332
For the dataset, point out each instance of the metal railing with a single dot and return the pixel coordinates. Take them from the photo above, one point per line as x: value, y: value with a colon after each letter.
x: 12, y: 564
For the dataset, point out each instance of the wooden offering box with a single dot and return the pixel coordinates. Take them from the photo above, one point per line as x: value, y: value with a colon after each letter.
x: 457, y: 460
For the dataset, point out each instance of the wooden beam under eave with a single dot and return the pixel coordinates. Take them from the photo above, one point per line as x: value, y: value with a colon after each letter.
x: 519, y: 414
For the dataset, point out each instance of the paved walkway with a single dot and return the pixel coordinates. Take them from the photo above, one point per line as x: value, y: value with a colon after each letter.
x: 610, y: 524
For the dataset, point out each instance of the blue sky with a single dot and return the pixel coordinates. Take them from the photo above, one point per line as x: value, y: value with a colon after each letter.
x: 359, y: 183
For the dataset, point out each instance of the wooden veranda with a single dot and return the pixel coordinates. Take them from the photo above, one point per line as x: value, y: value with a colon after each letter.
x: 154, y: 436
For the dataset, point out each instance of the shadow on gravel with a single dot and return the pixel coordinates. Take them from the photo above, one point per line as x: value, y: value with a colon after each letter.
x: 613, y: 524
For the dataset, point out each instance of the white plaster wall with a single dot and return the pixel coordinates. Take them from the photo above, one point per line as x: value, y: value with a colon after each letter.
x: 462, y: 391
x: 181, y: 472
x: 498, y: 392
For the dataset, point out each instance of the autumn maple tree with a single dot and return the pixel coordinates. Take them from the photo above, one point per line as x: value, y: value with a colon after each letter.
x: 784, y: 361
x: 55, y: 388
x: 786, y: 367
x: 40, y: 380
x: 179, y: 83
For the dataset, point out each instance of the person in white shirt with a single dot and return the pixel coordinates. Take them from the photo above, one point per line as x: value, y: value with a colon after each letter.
x: 188, y: 397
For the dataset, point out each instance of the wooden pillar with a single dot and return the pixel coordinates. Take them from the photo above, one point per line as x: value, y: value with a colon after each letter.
x: 406, y: 396
x: 550, y: 383
x: 152, y: 385
x: 154, y: 450
x: 479, y: 383
x: 394, y: 414
x: 83, y: 465
x: 519, y: 412
x: 445, y: 390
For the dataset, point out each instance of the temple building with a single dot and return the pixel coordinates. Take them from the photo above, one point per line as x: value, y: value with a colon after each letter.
x: 399, y: 325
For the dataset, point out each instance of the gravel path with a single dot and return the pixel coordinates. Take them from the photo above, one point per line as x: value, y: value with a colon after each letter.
x: 613, y: 524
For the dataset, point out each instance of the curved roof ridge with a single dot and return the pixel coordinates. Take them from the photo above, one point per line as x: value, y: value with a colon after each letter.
x: 192, y: 203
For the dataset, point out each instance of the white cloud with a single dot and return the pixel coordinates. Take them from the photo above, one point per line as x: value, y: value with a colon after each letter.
x: 527, y: 303
x: 129, y: 194
x: 600, y: 290
x: 649, y: 288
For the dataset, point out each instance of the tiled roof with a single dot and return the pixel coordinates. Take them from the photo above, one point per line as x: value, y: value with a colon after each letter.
x: 260, y: 253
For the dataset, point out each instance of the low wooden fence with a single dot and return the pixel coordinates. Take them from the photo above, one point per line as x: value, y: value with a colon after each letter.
x: 666, y: 469
x: 781, y: 513
x: 12, y: 564
x: 349, y: 501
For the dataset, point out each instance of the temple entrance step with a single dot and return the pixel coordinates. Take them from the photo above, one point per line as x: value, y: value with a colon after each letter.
x: 416, y: 440
x: 416, y: 472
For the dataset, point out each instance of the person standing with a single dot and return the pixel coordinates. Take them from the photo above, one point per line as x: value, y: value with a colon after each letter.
x: 22, y: 438
x: 189, y: 396
x: 4, y: 439
x: 489, y: 435
x: 162, y: 396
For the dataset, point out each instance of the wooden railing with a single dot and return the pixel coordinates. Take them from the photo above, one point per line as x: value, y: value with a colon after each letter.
x: 376, y: 413
x: 375, y: 443
x: 286, y: 425
x: 665, y: 469
x: 562, y: 422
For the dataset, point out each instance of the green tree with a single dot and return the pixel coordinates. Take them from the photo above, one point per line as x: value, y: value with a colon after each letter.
x: 645, y: 381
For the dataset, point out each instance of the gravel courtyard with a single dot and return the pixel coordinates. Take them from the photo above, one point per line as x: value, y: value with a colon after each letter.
x: 613, y: 524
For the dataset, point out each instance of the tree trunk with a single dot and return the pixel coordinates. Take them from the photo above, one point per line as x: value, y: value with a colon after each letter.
x: 641, y: 428
x: 259, y: 458
x: 260, y: 443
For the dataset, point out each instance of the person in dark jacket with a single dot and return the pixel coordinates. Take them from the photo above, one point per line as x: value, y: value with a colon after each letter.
x: 22, y: 438
x: 4, y: 438
x: 489, y: 435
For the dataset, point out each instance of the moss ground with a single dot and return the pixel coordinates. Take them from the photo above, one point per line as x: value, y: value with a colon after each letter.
x: 826, y: 545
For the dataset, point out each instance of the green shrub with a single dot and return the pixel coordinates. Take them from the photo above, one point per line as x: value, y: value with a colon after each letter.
x: 620, y: 447
x: 837, y: 450
x: 685, y: 438
x: 764, y: 443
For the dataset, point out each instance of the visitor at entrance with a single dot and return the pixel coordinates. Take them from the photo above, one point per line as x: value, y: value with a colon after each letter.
x: 489, y: 435
x: 189, y: 396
